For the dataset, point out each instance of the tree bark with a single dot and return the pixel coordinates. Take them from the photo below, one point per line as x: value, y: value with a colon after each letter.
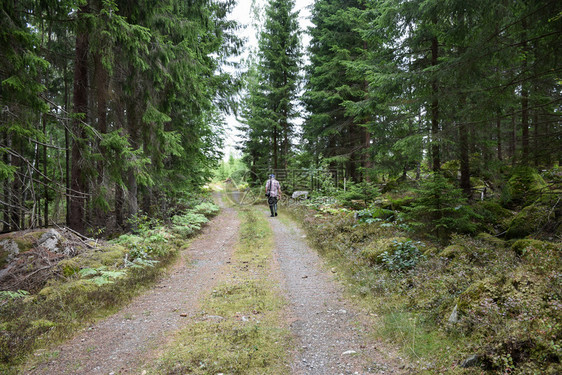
x: 78, y: 183
x: 464, y: 158
x: 524, y: 100
x: 435, y: 149
x: 45, y: 182
x: 132, y: 184
x: 101, y: 82
x: 499, y: 135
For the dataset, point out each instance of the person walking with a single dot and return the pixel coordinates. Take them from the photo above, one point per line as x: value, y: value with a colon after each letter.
x: 273, y: 193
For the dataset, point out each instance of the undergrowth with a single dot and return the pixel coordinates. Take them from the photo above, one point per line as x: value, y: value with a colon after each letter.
x: 89, y: 286
x: 496, y: 301
x: 238, y: 330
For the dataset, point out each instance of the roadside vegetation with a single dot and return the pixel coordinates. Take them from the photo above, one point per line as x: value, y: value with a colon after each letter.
x: 62, y: 291
x: 463, y: 286
x: 240, y: 328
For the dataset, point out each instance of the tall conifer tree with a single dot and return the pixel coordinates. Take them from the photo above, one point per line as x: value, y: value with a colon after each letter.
x: 273, y: 93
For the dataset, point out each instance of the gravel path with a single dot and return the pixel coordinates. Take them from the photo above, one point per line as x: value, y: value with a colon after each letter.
x: 118, y: 344
x: 329, y: 332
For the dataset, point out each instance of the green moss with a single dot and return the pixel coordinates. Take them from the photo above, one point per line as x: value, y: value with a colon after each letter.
x: 69, y: 267
x: 492, y: 211
x: 452, y: 251
x: 430, y: 251
x: 523, y: 246
x: 477, y: 291
x: 491, y: 240
x: 524, y: 185
x: 42, y: 324
x: 113, y: 256
x: 528, y: 221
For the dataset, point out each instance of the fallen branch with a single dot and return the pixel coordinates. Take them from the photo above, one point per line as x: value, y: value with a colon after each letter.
x: 81, y: 237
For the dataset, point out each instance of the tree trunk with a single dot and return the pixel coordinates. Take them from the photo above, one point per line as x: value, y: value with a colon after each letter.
x: 16, y: 162
x: 45, y: 182
x: 499, y: 135
x: 513, y: 140
x: 435, y: 149
x: 525, y: 125
x: 524, y: 100
x: 119, y: 205
x: 132, y: 185
x: 275, y: 147
x: 464, y: 158
x: 101, y: 82
x: 78, y: 180
x: 7, y: 196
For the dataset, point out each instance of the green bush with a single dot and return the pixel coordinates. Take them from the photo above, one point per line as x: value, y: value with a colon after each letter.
x: 188, y: 223
x: 440, y: 209
x: 206, y: 208
x: 374, y: 214
x: 374, y: 250
x: 404, y: 256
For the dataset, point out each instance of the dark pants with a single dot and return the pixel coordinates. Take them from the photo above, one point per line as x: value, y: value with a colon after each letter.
x: 272, y: 201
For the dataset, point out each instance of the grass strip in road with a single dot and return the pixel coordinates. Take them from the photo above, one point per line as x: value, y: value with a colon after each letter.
x: 240, y: 329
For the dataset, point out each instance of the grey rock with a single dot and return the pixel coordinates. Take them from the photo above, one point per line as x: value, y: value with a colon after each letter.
x: 454, y: 317
x: 11, y: 247
x: 50, y: 240
x: 471, y: 361
x: 302, y: 194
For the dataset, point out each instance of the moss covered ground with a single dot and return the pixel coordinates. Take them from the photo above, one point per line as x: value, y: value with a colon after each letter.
x: 240, y: 329
x: 494, y: 299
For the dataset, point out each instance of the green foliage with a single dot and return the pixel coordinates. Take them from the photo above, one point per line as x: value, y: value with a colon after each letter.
x: 440, y: 209
x: 187, y: 224
x: 10, y: 295
x: 403, y: 256
x: 374, y: 214
x: 269, y: 108
x: 363, y: 192
x: 206, y: 208
x: 101, y: 276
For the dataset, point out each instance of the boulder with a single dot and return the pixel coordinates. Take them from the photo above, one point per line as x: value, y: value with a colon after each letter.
x: 50, y: 240
x: 531, y: 219
x: 9, y: 249
x: 454, y: 317
x: 471, y: 361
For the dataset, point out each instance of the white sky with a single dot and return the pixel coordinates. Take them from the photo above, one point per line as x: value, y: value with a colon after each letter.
x: 244, y: 15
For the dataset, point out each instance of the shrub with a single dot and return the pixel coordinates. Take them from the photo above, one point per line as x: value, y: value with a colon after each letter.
x: 374, y: 214
x: 440, y: 209
x: 188, y: 223
x: 372, y: 253
x: 404, y: 255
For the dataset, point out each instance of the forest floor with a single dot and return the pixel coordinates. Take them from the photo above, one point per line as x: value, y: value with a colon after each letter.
x: 329, y: 334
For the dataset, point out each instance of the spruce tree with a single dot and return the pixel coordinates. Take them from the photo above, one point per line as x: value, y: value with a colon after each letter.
x: 274, y: 93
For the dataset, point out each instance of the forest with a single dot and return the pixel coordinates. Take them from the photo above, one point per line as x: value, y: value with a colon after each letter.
x: 427, y: 135
x: 114, y: 108
x: 109, y: 108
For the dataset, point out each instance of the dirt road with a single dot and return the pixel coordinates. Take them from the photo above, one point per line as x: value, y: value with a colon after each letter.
x: 329, y: 334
